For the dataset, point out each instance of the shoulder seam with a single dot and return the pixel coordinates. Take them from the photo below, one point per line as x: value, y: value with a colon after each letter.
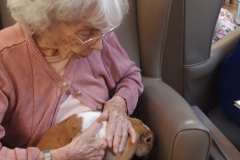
x: 12, y: 45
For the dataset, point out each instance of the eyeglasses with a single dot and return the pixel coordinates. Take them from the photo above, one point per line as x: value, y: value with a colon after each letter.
x: 91, y: 39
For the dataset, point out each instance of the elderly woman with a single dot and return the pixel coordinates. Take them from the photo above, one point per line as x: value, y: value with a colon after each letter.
x: 60, y: 58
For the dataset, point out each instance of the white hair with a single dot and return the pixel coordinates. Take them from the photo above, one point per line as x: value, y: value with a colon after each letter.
x: 37, y: 15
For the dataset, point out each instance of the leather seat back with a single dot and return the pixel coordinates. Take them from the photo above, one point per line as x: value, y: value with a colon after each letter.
x: 188, y: 51
x: 143, y: 34
x: 5, y: 16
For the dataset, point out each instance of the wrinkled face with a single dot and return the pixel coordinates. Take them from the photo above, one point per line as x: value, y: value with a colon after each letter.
x: 74, y: 33
x: 145, y: 138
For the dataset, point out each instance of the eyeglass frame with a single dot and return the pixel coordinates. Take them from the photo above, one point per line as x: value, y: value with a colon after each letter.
x: 90, y: 39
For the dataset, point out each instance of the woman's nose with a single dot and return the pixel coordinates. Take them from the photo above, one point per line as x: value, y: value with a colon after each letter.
x: 97, y: 45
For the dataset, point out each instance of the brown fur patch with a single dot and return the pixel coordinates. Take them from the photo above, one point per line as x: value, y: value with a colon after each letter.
x: 61, y: 134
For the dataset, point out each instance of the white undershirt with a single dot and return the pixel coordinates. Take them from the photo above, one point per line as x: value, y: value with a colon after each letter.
x: 69, y: 104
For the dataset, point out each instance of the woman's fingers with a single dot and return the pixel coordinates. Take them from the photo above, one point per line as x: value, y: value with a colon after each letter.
x: 123, y: 131
x: 99, y: 148
x: 85, y: 145
x: 117, y: 130
x: 102, y: 144
x: 117, y: 136
x: 120, y: 134
x: 132, y: 133
x: 119, y: 126
x: 111, y: 130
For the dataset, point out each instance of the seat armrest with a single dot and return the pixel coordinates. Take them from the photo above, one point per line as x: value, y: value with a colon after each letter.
x: 225, y: 147
x: 179, y: 134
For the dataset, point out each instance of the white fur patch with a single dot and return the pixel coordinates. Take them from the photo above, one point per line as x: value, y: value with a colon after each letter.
x: 147, y: 127
x: 88, y: 118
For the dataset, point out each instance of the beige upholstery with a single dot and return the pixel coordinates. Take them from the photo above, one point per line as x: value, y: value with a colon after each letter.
x: 179, y: 133
x: 190, y: 31
x: 6, y: 19
x: 195, y: 62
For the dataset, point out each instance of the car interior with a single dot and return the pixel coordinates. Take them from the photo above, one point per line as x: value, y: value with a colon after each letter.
x: 171, y: 42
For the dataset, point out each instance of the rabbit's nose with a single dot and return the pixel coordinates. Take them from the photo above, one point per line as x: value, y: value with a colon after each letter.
x: 148, y: 139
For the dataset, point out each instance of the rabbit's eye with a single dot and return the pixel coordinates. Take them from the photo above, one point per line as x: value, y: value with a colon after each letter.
x: 148, y: 140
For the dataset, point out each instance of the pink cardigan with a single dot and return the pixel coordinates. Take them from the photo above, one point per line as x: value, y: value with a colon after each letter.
x: 30, y: 90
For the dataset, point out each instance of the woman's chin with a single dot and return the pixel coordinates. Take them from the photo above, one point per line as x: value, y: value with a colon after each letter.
x: 78, y: 56
x: 82, y: 54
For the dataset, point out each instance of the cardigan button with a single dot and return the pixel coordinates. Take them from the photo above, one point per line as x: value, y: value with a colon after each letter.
x: 65, y: 84
x: 78, y: 93
x: 99, y: 108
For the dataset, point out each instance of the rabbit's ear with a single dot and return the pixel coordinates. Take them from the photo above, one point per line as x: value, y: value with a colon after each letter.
x: 137, y: 125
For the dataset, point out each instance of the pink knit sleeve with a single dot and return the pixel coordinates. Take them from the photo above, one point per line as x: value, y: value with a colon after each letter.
x: 123, y: 73
x: 31, y: 153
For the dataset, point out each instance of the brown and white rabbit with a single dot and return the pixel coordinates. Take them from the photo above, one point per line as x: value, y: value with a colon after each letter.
x: 62, y: 133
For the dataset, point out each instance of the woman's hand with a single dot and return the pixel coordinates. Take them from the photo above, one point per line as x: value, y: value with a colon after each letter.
x: 119, y: 126
x: 83, y: 146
